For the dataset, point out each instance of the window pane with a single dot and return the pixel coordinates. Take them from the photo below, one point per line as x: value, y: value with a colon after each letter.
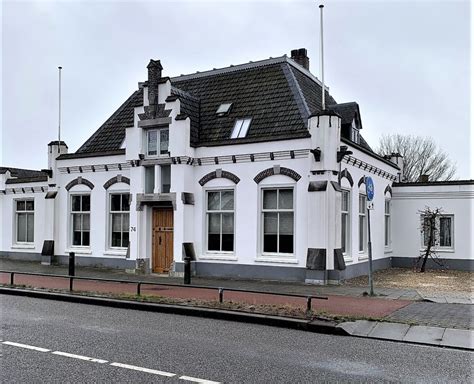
x: 21, y: 227
x: 125, y: 222
x: 285, y: 199
x: 244, y: 128
x: 286, y: 243
x: 116, y: 222
x: 164, y: 141
x: 30, y: 205
x: 227, y: 200
x: 86, y: 203
x: 270, y: 199
x: 270, y: 243
x: 165, y: 178
x: 115, y: 202
x: 152, y: 143
x: 149, y: 179
x: 387, y: 229
x: 227, y: 242
x: 76, y: 222
x: 270, y: 223
x: 76, y: 203
x: 85, y: 238
x: 116, y: 239
x: 445, y: 232
x: 30, y: 228
x: 361, y: 233
x: 20, y: 205
x: 343, y: 231
x: 214, y: 222
x: 362, y: 204
x: 286, y: 223
x: 86, y: 222
x: 237, y: 128
x: 345, y: 201
x: 213, y: 201
x: 227, y: 223
x: 126, y: 202
x: 125, y: 239
x: 76, y: 238
x: 387, y: 206
x: 426, y: 232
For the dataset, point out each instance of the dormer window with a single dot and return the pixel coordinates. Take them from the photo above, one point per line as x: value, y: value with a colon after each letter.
x: 241, y: 128
x: 157, y: 142
x: 223, y: 109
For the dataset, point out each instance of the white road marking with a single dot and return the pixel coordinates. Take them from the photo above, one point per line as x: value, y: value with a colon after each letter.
x: 147, y: 370
x: 26, y: 346
x: 196, y: 380
x: 91, y: 359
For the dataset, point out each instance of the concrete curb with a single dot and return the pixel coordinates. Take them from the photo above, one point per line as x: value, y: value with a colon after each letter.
x: 315, y: 326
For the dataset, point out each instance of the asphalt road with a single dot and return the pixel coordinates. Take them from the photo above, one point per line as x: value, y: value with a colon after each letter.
x: 36, y: 334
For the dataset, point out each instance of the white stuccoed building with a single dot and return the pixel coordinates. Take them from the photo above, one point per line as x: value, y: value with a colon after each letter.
x: 243, y: 166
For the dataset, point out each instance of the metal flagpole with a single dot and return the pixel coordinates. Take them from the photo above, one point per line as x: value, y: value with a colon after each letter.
x: 322, y: 60
x: 369, y: 185
x: 59, y: 117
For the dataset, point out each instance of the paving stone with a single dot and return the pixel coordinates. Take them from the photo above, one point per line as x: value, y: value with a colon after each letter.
x: 363, y: 327
x: 461, y: 338
x: 349, y: 326
x: 457, y: 300
x: 392, y: 331
x: 423, y: 334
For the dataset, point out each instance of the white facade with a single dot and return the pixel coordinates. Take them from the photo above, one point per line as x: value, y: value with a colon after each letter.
x: 298, y: 238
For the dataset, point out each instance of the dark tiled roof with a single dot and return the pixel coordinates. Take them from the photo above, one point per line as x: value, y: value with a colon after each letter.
x: 277, y: 94
x: 24, y: 175
x: 261, y: 93
x: 112, y: 133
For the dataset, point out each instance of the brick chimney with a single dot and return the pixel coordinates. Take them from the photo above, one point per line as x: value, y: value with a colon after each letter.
x: 154, y: 75
x: 424, y: 178
x: 301, y: 57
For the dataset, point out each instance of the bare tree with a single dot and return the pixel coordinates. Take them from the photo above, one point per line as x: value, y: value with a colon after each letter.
x: 429, y: 217
x: 421, y: 156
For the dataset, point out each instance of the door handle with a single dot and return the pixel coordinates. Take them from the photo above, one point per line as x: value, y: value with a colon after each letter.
x: 159, y: 243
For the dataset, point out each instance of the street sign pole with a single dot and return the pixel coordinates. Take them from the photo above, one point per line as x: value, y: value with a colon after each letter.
x: 371, y: 282
x: 369, y: 188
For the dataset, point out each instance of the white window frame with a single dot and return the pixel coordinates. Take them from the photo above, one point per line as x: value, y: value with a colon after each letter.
x: 71, y: 214
x: 158, y: 142
x: 387, y: 222
x: 347, y: 244
x: 364, y: 229
x: 28, y: 213
x: 110, y: 213
x: 437, y: 246
x: 206, y: 225
x: 262, y: 222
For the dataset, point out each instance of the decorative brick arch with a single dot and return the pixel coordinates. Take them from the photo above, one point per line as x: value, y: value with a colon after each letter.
x: 277, y: 170
x: 77, y: 181
x: 116, y: 179
x: 345, y: 173
x: 388, y: 189
x: 219, y: 173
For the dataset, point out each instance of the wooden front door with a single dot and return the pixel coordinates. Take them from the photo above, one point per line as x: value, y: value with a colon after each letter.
x: 162, y: 241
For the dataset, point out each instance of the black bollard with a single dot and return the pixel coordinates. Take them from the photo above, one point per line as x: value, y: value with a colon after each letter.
x: 187, y: 270
x: 72, y: 263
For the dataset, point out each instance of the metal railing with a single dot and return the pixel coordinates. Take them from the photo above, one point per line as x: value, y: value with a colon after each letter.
x: 139, y: 283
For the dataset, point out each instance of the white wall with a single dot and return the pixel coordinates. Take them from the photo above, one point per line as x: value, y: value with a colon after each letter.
x: 456, y: 200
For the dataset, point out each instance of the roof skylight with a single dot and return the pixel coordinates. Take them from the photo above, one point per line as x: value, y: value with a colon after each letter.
x: 241, y: 128
x: 223, y: 109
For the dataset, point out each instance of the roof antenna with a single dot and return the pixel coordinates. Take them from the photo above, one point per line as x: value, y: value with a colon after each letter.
x: 321, y: 6
x: 59, y: 117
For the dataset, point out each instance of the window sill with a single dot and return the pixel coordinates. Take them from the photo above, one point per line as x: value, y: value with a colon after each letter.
x: 115, y: 253
x: 388, y: 250
x: 23, y: 246
x: 218, y: 256
x: 363, y: 256
x: 348, y: 259
x: 276, y: 259
x: 440, y: 250
x: 81, y: 251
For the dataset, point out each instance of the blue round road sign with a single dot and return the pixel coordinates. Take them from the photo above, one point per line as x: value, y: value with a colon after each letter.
x: 369, y: 188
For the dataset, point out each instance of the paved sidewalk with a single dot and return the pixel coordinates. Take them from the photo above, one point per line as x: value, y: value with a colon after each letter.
x: 436, y: 336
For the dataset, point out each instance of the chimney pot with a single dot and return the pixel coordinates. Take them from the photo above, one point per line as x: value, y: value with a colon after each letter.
x: 301, y: 57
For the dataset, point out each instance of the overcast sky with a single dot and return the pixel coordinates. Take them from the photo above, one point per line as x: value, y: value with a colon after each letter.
x: 405, y: 62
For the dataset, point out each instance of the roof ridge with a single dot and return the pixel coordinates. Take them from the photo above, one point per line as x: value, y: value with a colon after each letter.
x: 305, y: 71
x: 180, y: 92
x: 232, y: 68
x: 297, y: 92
